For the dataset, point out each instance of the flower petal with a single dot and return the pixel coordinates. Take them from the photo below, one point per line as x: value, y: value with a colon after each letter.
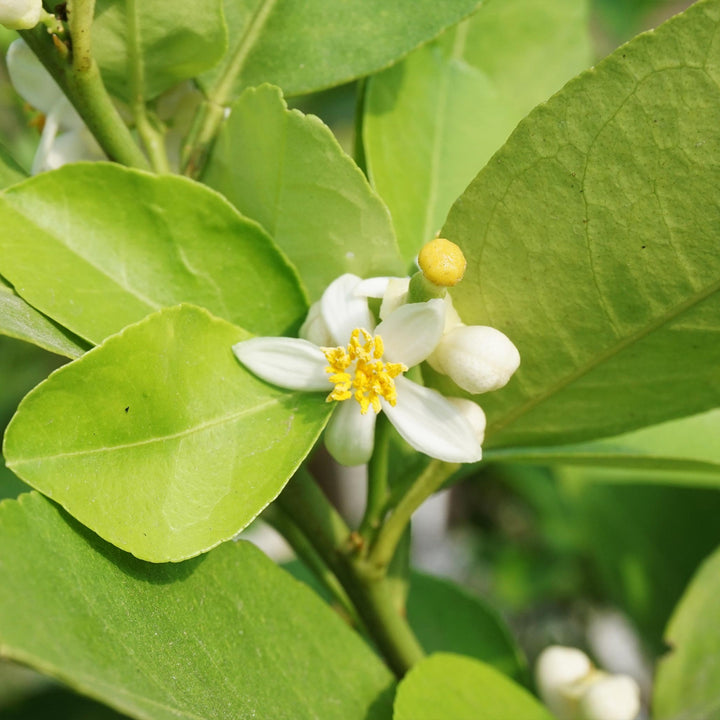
x: 286, y: 362
x: 30, y: 78
x: 428, y: 422
x: 350, y: 435
x: 412, y: 331
x: 373, y: 287
x: 395, y: 295
x: 314, y: 328
x: 343, y: 310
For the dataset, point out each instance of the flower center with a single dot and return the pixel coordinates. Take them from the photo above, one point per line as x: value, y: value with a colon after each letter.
x: 358, y: 371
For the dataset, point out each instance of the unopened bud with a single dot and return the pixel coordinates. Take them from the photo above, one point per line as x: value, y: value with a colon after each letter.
x: 20, y: 14
x: 477, y: 358
x: 557, y: 669
x: 612, y: 697
x: 442, y: 262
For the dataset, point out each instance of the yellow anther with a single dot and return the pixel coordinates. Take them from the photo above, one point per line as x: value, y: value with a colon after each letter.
x: 442, y: 262
x: 360, y: 367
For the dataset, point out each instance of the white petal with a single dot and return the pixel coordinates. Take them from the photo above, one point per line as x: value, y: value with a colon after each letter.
x: 395, y: 295
x: 286, y: 362
x: 473, y: 413
x: 412, y: 332
x: 350, y: 436
x: 373, y: 287
x: 71, y: 146
x: 343, y: 310
x: 47, y: 139
x: 428, y: 422
x: 477, y: 358
x: 314, y: 328
x: 613, y: 697
x: 30, y: 78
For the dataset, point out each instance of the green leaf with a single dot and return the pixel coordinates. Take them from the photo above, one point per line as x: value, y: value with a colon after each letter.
x: 454, y: 687
x: 24, y: 322
x: 287, y: 171
x: 302, y: 45
x: 687, y: 685
x: 96, y: 247
x: 447, y: 618
x: 432, y: 121
x: 591, y: 240
x: 173, y: 42
x: 223, y: 637
x: 10, y: 171
x: 689, y: 444
x: 159, y: 440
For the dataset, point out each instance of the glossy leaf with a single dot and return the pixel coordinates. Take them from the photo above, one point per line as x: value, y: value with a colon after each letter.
x: 10, y: 171
x: 447, y: 618
x: 687, y: 685
x: 690, y: 445
x: 287, y: 171
x: 24, y: 322
x: 591, y: 242
x: 432, y: 121
x: 223, y: 637
x: 172, y: 446
x: 169, y: 43
x: 302, y: 46
x: 455, y: 687
x: 97, y: 247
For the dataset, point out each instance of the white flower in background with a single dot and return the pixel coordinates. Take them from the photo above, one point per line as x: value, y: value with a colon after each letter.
x: 362, y: 366
x: 575, y: 690
x: 20, y: 14
x: 64, y: 138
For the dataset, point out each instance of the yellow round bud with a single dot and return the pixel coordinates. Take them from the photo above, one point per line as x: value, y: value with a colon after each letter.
x: 442, y: 262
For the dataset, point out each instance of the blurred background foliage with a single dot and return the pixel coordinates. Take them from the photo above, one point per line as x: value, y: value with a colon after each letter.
x: 551, y: 548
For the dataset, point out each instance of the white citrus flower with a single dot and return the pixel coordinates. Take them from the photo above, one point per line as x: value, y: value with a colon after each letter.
x: 64, y: 138
x: 362, y: 366
x: 20, y: 14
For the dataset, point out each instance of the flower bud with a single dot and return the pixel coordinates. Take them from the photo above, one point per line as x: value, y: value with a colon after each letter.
x: 556, y: 670
x: 442, y: 262
x: 477, y: 358
x: 611, y: 697
x: 20, y: 14
x: 474, y: 415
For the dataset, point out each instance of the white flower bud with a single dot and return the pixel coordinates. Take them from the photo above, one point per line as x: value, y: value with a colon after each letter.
x: 20, y: 14
x: 474, y: 415
x: 556, y: 670
x: 477, y: 358
x: 610, y: 697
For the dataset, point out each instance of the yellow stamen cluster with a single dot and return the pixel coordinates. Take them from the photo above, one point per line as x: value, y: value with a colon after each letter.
x: 358, y: 371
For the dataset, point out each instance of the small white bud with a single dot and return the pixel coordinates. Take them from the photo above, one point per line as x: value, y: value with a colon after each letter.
x: 611, y: 697
x: 477, y: 358
x: 556, y: 670
x: 20, y: 14
x: 474, y: 415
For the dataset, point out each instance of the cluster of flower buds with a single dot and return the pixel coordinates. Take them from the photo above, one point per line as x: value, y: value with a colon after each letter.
x: 573, y: 689
x: 20, y: 14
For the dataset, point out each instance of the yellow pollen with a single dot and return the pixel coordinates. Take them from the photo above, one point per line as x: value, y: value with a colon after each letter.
x: 359, y: 372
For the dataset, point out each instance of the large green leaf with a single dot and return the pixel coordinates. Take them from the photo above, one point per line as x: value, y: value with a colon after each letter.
x: 287, y: 171
x: 455, y: 687
x: 592, y: 241
x: 163, y: 41
x: 447, y: 618
x: 223, y: 637
x: 159, y: 440
x: 10, y: 171
x: 306, y: 45
x: 690, y: 445
x: 687, y: 686
x: 24, y: 322
x: 432, y: 121
x: 97, y: 246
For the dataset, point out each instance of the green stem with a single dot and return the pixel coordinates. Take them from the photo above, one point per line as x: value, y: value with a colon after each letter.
x: 390, y: 534
x: 80, y: 18
x: 152, y: 139
x: 377, y: 493
x: 340, y: 548
x: 211, y: 112
x: 85, y: 89
x: 286, y: 526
